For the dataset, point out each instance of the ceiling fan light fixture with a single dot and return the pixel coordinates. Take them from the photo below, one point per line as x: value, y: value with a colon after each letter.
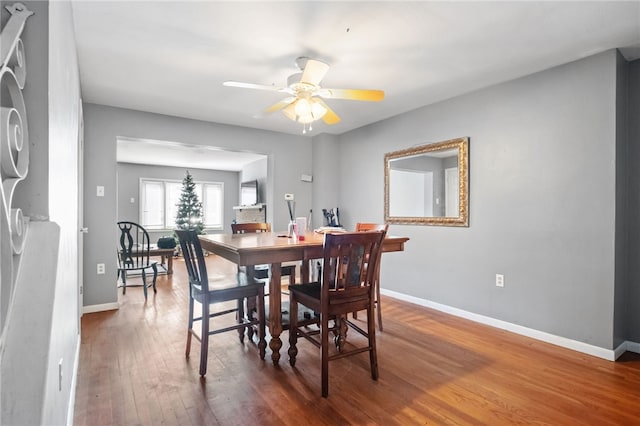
x: 305, y: 111
x: 302, y: 108
x: 318, y: 110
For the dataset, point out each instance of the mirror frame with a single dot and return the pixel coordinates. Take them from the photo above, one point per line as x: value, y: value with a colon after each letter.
x: 462, y: 145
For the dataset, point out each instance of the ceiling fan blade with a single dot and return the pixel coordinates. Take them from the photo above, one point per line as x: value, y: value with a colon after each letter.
x: 314, y: 71
x: 330, y: 117
x: 278, y: 106
x: 352, y: 94
x: 252, y: 86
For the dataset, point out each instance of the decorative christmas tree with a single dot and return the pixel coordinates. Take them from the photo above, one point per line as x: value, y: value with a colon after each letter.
x: 189, y: 214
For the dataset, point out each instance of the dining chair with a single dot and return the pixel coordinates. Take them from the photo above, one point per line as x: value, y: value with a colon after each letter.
x: 207, y: 292
x: 347, y: 285
x: 133, y: 255
x: 364, y: 227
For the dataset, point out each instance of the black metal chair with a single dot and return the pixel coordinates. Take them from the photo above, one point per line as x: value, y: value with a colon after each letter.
x: 133, y: 255
x: 348, y: 284
x: 210, y: 291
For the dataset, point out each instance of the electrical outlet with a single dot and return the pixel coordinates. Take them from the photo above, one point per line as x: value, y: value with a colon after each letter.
x: 100, y: 268
x: 288, y: 197
x: 100, y: 191
x: 499, y: 280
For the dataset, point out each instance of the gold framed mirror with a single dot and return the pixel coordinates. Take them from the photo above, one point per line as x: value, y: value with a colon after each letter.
x: 428, y: 184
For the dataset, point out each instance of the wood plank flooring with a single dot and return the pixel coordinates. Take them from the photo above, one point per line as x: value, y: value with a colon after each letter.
x: 435, y: 369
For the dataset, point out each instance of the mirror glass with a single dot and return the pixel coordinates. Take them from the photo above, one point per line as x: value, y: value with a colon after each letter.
x: 428, y: 184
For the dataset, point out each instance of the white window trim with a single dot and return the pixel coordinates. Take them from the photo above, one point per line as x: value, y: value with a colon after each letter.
x: 172, y: 225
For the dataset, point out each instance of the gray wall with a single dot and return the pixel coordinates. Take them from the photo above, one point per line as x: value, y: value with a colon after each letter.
x: 129, y: 187
x: 542, y: 201
x: 632, y: 330
x: 257, y: 170
x: 49, y: 333
x: 289, y: 156
x: 326, y: 177
x: 622, y: 206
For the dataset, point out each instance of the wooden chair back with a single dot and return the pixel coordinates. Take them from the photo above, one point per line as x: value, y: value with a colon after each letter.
x: 193, y: 260
x: 366, y: 227
x: 245, y: 228
x: 134, y: 246
x: 362, y: 227
x: 349, y: 271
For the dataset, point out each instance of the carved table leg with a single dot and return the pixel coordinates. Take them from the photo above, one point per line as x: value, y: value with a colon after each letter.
x: 275, y: 312
x: 251, y: 302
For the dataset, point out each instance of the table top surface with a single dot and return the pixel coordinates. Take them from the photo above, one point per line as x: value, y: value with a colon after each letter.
x: 272, y: 240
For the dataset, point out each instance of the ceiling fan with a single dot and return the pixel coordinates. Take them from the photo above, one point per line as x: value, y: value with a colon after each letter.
x: 305, y: 103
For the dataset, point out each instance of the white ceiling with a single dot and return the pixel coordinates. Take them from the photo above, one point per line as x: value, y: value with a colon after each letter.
x: 172, y: 57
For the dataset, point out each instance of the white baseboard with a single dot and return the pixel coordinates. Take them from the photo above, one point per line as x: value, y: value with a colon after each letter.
x: 608, y: 354
x: 628, y: 346
x: 100, y: 308
x: 74, y: 381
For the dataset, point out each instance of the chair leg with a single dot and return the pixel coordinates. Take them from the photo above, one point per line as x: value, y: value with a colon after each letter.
x: 189, y: 328
x: 204, y: 338
x: 144, y: 284
x: 373, y: 354
x: 155, y: 276
x: 324, y: 348
x: 251, y: 308
x: 378, y: 306
x: 123, y: 273
x: 293, y: 328
x: 240, y: 319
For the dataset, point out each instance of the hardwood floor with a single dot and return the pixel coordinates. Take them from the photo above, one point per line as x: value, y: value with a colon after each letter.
x: 434, y: 369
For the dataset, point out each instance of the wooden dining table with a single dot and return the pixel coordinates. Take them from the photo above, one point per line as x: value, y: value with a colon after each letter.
x: 274, y: 248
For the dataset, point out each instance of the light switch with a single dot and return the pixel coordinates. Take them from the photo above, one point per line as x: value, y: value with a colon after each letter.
x: 100, y: 191
x: 133, y: 200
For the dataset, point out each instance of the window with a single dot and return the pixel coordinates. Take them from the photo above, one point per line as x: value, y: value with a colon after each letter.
x: 159, y: 203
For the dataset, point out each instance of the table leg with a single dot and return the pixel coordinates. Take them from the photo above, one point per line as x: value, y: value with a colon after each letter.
x: 251, y: 301
x: 275, y: 312
x: 170, y: 264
